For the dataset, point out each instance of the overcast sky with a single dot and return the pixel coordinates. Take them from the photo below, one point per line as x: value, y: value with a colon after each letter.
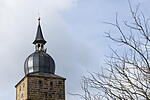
x: 74, y: 32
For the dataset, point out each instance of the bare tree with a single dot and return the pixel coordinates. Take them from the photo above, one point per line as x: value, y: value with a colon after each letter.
x: 126, y: 76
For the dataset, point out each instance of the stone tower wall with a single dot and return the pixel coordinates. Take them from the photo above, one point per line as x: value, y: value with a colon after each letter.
x: 21, y: 90
x: 41, y: 88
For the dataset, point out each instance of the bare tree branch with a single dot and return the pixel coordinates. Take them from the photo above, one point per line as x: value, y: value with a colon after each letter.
x: 125, y: 76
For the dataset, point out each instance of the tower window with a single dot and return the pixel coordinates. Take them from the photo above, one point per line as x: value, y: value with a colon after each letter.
x: 59, y: 82
x: 38, y: 45
x: 41, y: 46
x: 51, y: 83
x: 20, y: 88
x: 40, y: 83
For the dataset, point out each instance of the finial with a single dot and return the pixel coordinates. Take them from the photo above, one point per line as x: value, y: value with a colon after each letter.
x: 39, y: 18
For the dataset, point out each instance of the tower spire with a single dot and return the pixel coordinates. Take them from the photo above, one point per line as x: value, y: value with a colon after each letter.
x: 39, y: 41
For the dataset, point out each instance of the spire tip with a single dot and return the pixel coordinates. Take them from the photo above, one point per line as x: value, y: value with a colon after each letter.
x: 39, y: 18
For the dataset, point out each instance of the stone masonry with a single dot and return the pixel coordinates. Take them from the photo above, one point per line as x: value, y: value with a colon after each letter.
x: 38, y: 86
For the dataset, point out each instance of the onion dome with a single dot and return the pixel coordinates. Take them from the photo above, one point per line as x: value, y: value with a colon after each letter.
x: 39, y: 61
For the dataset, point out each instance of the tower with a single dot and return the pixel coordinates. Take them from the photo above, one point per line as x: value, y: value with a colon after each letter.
x: 40, y: 81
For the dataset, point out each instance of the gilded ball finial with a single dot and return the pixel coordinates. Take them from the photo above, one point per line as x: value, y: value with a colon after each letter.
x: 39, y: 19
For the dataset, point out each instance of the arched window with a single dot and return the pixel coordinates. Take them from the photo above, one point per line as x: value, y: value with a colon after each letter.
x: 38, y: 45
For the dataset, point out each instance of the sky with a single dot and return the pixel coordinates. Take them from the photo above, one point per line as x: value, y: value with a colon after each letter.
x: 74, y: 31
